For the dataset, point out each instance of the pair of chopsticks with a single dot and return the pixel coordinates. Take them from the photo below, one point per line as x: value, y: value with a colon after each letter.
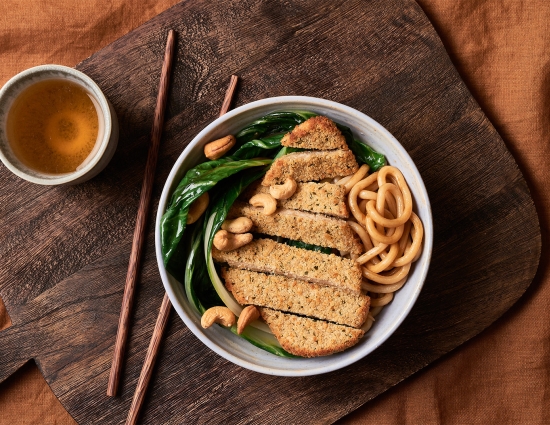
x: 137, y: 244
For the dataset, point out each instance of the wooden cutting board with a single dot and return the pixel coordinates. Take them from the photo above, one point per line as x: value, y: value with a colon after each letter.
x: 64, y: 250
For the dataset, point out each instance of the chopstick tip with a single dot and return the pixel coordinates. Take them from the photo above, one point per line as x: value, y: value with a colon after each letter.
x: 171, y: 37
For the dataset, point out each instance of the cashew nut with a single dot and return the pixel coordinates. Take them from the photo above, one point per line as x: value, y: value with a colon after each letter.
x: 264, y: 200
x: 285, y: 190
x: 225, y: 241
x: 197, y: 208
x: 248, y: 315
x: 220, y: 147
x: 238, y: 225
x: 221, y: 315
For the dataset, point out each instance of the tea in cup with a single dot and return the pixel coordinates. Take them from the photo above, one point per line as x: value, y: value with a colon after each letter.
x: 56, y: 126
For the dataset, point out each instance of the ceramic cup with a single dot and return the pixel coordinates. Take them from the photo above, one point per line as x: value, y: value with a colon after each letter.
x: 107, y: 138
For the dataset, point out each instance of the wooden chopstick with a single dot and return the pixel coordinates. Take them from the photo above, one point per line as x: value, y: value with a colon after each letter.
x: 229, y: 95
x: 141, y: 220
x: 164, y: 313
x: 149, y: 363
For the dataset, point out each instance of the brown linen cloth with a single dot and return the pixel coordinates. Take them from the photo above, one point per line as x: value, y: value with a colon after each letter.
x: 502, y: 50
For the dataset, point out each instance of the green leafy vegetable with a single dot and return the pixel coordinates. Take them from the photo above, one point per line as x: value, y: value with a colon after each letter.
x: 275, y: 122
x: 300, y: 244
x: 197, y: 181
x: 363, y: 153
x: 196, y: 279
x: 367, y: 155
x: 193, y: 263
x: 259, y: 147
x: 263, y: 136
x: 285, y: 150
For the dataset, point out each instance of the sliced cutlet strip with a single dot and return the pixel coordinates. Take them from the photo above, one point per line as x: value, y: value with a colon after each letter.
x: 322, y: 198
x: 315, y: 229
x: 316, y: 133
x: 299, y: 297
x: 311, y: 166
x: 265, y: 255
x: 307, y: 337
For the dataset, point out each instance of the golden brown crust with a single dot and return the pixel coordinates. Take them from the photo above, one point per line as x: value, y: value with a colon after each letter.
x: 322, y: 198
x: 307, y: 337
x: 316, y: 133
x: 315, y: 229
x: 311, y: 166
x: 265, y: 255
x: 295, y: 296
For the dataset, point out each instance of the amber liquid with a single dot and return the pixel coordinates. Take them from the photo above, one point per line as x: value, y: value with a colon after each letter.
x: 52, y: 126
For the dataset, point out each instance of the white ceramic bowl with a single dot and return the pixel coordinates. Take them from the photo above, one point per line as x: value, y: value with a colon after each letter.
x: 104, y: 148
x: 236, y: 349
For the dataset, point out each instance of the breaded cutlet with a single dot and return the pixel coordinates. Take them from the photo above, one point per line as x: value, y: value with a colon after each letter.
x: 316, y: 133
x: 296, y: 296
x: 315, y: 229
x: 311, y: 166
x: 307, y: 337
x: 322, y: 198
x: 266, y: 255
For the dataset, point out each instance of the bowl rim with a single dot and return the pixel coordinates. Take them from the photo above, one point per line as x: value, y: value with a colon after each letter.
x: 302, y: 102
x: 105, y: 110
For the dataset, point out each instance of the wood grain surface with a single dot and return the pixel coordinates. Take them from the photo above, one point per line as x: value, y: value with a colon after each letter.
x: 65, y: 250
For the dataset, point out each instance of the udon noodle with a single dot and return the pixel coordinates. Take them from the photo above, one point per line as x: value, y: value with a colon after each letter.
x: 382, y: 216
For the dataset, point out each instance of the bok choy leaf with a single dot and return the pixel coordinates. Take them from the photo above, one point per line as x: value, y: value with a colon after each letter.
x: 265, y: 147
x: 275, y: 122
x: 196, y: 181
x: 197, y: 284
x: 300, y: 244
x: 363, y: 152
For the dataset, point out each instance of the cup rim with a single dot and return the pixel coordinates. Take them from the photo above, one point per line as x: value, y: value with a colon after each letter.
x: 105, y: 110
